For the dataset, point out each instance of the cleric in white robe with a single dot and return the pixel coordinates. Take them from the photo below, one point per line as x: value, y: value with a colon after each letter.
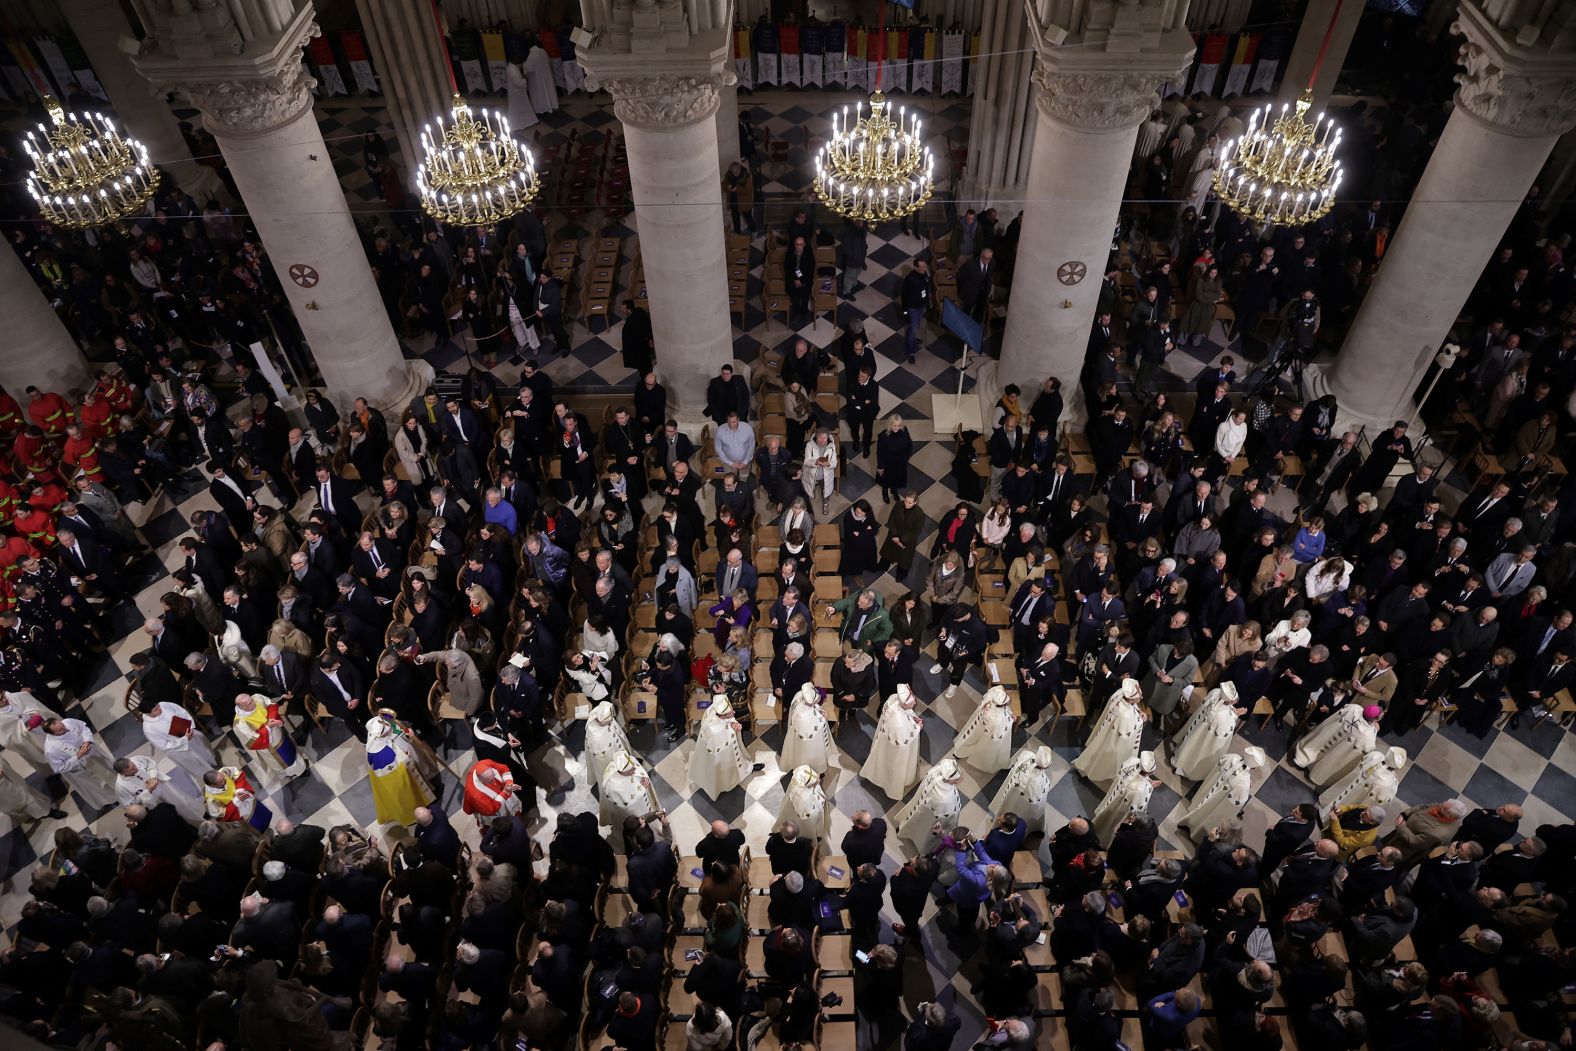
x: 893, y: 762
x: 605, y: 738
x: 1333, y: 749
x: 23, y: 747
x: 521, y: 114
x: 985, y: 742
x: 1374, y: 781
x: 936, y: 801
x: 719, y: 762
x: 1207, y: 734
x: 173, y: 733
x: 807, y: 736
x: 1129, y: 794
x: 73, y: 751
x: 625, y: 791
x: 1222, y: 797
x: 804, y: 804
x: 539, y: 80
x: 1026, y: 789
x: 1116, y: 735
x: 138, y: 780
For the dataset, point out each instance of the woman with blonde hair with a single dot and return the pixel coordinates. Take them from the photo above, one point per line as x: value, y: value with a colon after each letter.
x: 1237, y: 639
x: 290, y: 638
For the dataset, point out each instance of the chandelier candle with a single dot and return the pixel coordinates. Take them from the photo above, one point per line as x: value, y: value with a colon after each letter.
x: 85, y: 173
x: 1282, y: 172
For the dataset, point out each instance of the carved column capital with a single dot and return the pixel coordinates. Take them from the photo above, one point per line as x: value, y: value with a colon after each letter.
x: 666, y: 101
x: 1097, y: 101
x: 1519, y: 80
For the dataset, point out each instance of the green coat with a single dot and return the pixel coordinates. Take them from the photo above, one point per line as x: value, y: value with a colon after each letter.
x: 878, y: 626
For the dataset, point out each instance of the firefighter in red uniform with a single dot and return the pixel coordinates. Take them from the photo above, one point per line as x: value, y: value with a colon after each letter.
x: 49, y: 412
x: 94, y: 415
x: 81, y: 452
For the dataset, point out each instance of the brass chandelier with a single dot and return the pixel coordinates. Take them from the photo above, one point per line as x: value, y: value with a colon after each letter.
x: 85, y: 172
x: 1284, y: 169
x: 473, y: 172
x: 875, y: 168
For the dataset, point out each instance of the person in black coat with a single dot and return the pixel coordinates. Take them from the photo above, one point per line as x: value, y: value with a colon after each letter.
x: 1132, y: 845
x: 159, y: 831
x: 863, y: 901
x: 934, y: 1028
x: 864, y: 843
x: 653, y: 870
x: 1286, y: 835
x: 633, y: 1026
x: 799, y: 273
x: 727, y: 393
x: 436, y: 836
x: 639, y: 344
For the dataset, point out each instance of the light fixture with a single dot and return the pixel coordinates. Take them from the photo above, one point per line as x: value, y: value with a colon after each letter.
x: 873, y: 167
x: 473, y: 172
x: 85, y: 172
x: 1284, y: 169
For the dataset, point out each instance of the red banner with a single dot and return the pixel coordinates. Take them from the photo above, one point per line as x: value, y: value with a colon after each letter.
x: 355, y: 50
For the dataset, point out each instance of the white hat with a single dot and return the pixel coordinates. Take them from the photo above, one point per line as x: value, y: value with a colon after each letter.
x: 1146, y: 761
x: 720, y: 706
x: 809, y: 693
x: 603, y: 712
x: 1395, y: 758
x: 1228, y: 690
x: 1254, y: 755
x: 1130, y: 689
x: 948, y: 769
x: 997, y: 695
x: 1044, y: 757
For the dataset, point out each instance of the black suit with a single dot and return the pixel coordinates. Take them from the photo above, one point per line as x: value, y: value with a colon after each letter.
x: 342, y: 500
x: 331, y: 698
x: 233, y: 504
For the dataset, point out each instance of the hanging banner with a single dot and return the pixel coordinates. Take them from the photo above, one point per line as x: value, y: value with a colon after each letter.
x: 922, y: 45
x: 788, y: 54
x: 766, y: 47
x: 15, y: 79
x: 35, y: 80
x: 548, y: 38
x: 466, y: 46
x: 515, y: 47
x: 81, y: 69
x: 743, y: 63
x: 1241, y: 65
x: 497, y: 62
x: 55, y: 62
x: 812, y: 45
x: 897, y: 59
x: 1211, y: 54
x: 1272, y: 51
x: 330, y: 80
x: 952, y: 44
x: 360, y: 63
x: 974, y: 60
x: 836, y: 59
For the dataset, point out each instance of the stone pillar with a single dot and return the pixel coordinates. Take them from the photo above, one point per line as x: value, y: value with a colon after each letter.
x: 1001, y: 128
x: 408, y: 56
x: 1091, y: 91
x: 37, y: 349
x: 1305, y: 52
x: 1514, y: 101
x: 256, y: 99
x: 100, y: 27
x: 727, y: 125
x: 667, y: 99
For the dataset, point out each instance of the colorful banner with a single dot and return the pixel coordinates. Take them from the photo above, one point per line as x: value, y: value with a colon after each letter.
x: 1211, y: 53
x: 497, y: 62
x: 36, y: 80
x: 922, y: 45
x: 329, y: 79
x: 897, y: 60
x: 812, y: 47
x: 55, y: 62
x: 836, y: 60
x: 574, y: 72
x: 743, y: 63
x: 16, y: 81
x: 1241, y: 65
x: 360, y: 63
x: 952, y: 45
x: 81, y: 69
x: 1272, y: 51
x: 766, y: 48
x: 555, y: 55
x: 788, y: 54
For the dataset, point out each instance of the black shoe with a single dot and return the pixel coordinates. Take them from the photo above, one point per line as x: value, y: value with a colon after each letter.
x: 673, y: 733
x: 759, y: 767
x: 57, y: 814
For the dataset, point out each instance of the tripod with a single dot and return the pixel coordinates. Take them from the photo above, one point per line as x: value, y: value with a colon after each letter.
x: 1282, y: 357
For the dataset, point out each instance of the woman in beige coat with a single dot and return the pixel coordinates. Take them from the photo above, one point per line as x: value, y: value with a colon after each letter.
x: 290, y: 639
x: 464, y: 681
x: 1238, y: 639
x: 948, y: 578
x: 278, y: 537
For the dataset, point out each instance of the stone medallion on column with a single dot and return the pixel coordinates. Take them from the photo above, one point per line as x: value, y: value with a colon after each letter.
x: 255, y: 95
x: 1516, y: 97
x: 1093, y: 86
x: 667, y: 100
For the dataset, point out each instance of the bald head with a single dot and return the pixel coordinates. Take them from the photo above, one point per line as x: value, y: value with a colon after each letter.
x: 720, y: 829
x: 1327, y: 848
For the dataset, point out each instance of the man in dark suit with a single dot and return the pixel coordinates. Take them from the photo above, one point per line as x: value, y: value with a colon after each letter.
x: 376, y: 561
x: 336, y: 501
x: 271, y: 928
x: 727, y: 393
x: 83, y: 558
x: 283, y: 675
x: 975, y: 280
x: 233, y: 493
x: 790, y: 670
x: 865, y: 841
x: 1287, y: 835
x: 460, y: 425
x: 1040, y: 681
x: 1101, y: 336
x: 338, y: 687
x: 1032, y: 601
x: 1547, y: 676
x: 160, y: 830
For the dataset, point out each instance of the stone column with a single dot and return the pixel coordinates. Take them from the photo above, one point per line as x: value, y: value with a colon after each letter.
x: 1002, y: 126
x: 1091, y: 92
x: 37, y: 350
x: 727, y: 125
x: 100, y: 28
x: 1514, y: 101
x: 256, y: 99
x: 1305, y: 52
x: 408, y: 56
x: 667, y: 99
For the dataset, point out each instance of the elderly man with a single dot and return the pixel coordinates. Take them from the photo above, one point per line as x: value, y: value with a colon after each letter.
x: 1419, y: 830
x: 866, y: 622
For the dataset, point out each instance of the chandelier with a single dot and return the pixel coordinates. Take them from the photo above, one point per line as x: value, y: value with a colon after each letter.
x: 875, y: 168
x: 1285, y: 171
x: 473, y: 172
x: 85, y: 173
